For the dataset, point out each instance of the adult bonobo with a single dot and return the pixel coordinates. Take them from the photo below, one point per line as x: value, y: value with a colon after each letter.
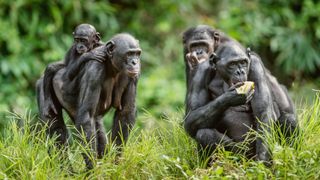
x: 198, y: 43
x: 85, y: 38
x: 107, y: 79
x: 219, y: 115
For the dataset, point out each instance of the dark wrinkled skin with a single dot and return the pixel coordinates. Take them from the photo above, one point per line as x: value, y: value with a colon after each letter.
x: 216, y: 114
x: 107, y: 78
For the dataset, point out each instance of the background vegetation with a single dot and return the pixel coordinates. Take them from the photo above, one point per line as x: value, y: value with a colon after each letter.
x: 34, y: 33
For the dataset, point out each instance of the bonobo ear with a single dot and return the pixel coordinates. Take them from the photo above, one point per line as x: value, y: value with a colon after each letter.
x: 248, y: 51
x: 184, y: 39
x: 97, y: 36
x: 216, y: 38
x: 213, y: 59
x: 110, y: 47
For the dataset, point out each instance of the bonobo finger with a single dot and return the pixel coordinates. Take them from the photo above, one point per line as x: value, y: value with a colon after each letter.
x: 194, y: 58
x: 53, y: 109
x: 233, y: 87
x: 191, y: 59
x: 188, y: 56
x: 250, y: 95
x: 194, y: 54
x: 238, y: 84
x: 201, y: 60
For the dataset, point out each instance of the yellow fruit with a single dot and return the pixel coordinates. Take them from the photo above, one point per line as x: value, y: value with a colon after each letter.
x: 245, y: 88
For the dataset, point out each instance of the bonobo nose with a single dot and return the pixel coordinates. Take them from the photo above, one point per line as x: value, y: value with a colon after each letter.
x: 134, y: 61
x: 199, y: 52
x: 240, y: 72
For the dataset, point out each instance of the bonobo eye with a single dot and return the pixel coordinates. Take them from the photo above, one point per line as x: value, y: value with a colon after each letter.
x: 197, y: 46
x: 232, y: 65
x: 133, y: 53
x: 80, y: 40
x: 243, y: 62
x: 130, y: 53
x: 83, y: 40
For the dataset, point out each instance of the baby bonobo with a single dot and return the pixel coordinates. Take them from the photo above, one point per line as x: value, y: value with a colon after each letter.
x: 85, y: 39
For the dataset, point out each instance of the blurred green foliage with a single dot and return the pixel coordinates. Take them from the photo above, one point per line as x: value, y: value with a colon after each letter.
x: 34, y: 33
x: 286, y: 33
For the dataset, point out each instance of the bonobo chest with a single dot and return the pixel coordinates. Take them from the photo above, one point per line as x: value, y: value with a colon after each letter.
x: 112, y: 92
x: 235, y: 121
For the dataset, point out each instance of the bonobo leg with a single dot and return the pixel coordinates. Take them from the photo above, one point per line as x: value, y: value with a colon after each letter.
x: 101, y: 137
x: 209, y: 139
x: 48, y: 91
x: 90, y: 89
x: 121, y: 128
x: 288, y: 124
x: 288, y: 119
x: 54, y: 120
x: 124, y: 119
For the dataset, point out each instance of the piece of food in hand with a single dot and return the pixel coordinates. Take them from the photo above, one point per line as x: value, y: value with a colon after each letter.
x: 245, y: 88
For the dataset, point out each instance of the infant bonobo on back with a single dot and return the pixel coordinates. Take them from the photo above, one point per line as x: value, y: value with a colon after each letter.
x: 107, y: 79
x: 85, y: 38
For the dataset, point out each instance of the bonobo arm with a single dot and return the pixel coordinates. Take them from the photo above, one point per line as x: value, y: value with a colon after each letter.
x: 124, y: 118
x: 197, y: 94
x: 261, y: 103
x: 50, y: 71
x: 73, y: 70
x: 205, y: 116
x: 88, y: 99
x: 96, y: 54
x: 200, y: 112
x: 47, y: 87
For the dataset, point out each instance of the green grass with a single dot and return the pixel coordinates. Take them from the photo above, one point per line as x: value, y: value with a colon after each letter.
x: 161, y: 151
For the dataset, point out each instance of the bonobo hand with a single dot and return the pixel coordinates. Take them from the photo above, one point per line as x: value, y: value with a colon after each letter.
x: 193, y: 60
x: 263, y: 155
x: 48, y: 106
x: 99, y: 54
x: 235, y: 99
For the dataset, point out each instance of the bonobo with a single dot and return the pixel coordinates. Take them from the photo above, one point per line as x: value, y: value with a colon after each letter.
x: 198, y: 43
x: 217, y: 114
x: 85, y: 38
x: 107, y: 79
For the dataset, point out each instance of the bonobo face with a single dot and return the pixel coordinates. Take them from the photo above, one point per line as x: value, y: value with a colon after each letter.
x: 85, y: 37
x: 200, y: 41
x: 126, y: 54
x: 82, y: 44
x: 233, y: 64
x: 201, y: 46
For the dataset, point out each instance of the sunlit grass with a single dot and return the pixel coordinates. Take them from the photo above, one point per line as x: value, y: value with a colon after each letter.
x: 163, y: 150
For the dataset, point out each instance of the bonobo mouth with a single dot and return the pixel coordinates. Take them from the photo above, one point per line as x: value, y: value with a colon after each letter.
x: 81, y: 51
x: 235, y: 81
x: 133, y: 73
x: 200, y: 56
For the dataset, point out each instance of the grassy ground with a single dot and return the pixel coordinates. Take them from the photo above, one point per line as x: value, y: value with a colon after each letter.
x: 161, y: 152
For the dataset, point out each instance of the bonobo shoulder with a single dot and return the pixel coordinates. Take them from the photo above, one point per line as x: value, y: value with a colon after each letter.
x: 257, y: 71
